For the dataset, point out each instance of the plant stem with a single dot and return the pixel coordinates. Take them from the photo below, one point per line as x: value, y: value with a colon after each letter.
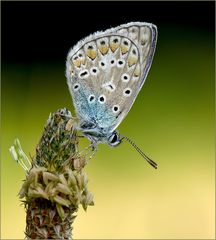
x: 55, y: 182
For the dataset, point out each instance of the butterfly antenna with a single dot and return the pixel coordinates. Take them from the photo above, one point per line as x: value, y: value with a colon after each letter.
x: 151, y: 162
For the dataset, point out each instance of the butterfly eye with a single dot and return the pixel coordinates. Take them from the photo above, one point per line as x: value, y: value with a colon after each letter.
x: 102, y: 99
x: 127, y: 92
x: 76, y: 87
x: 114, y: 139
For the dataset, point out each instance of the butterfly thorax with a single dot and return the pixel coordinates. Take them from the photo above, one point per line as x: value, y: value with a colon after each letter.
x: 98, y: 134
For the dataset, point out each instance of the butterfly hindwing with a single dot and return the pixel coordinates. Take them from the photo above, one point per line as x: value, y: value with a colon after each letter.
x: 105, y: 72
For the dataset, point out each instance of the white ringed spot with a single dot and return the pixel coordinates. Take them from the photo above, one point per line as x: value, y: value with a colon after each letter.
x: 84, y: 74
x: 102, y: 64
x: 94, y: 71
x: 120, y: 63
x: 102, y: 99
x: 76, y: 86
x: 113, y: 62
x: 125, y: 77
x: 91, y: 98
x: 127, y: 92
x: 115, y: 108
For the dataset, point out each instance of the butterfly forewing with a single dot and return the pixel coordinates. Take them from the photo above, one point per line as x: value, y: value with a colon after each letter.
x: 105, y: 72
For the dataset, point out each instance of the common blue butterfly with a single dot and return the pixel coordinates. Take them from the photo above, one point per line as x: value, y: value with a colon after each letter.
x: 105, y: 72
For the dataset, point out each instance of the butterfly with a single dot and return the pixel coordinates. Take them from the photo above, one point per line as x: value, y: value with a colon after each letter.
x: 105, y: 72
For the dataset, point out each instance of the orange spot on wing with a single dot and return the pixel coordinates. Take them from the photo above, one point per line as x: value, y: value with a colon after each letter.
x: 91, y: 53
x: 103, y: 49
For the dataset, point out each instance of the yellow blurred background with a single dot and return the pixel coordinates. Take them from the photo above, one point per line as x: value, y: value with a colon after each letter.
x: 172, y: 121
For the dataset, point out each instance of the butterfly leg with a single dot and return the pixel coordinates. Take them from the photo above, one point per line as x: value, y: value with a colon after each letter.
x: 85, y: 149
x: 94, y: 150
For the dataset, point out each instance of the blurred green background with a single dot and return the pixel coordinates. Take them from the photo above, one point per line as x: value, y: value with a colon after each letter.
x: 172, y: 121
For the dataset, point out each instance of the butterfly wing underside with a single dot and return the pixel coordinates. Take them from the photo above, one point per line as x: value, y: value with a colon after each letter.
x: 106, y: 71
